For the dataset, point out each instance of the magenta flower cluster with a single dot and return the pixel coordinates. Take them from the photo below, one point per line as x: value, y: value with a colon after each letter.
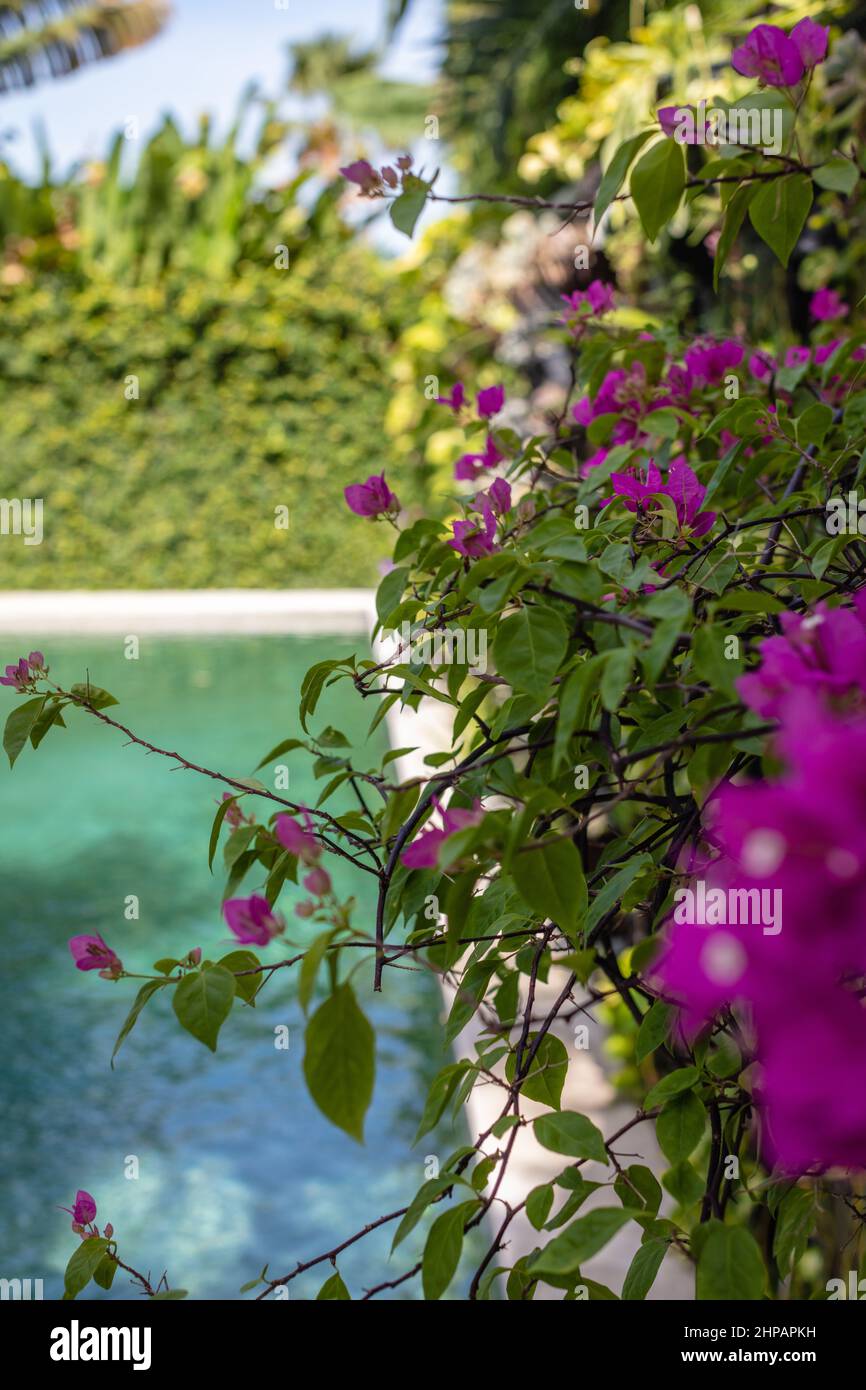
x: 802, y: 834
x: 778, y: 59
x: 22, y: 675
x: 423, y: 852
x: 641, y: 487
x: 90, y: 952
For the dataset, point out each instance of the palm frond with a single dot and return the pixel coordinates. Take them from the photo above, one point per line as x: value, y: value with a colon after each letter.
x: 42, y: 39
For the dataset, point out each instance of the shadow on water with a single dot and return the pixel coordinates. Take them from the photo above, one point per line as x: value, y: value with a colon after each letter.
x: 235, y: 1164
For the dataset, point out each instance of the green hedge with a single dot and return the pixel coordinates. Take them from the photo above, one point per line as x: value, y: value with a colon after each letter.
x: 263, y: 390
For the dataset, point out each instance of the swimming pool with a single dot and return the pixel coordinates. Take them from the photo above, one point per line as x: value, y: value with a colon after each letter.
x: 236, y: 1165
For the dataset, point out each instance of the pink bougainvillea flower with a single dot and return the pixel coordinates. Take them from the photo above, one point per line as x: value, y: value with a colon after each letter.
x: 234, y: 815
x: 801, y: 838
x: 318, y: 882
x: 499, y: 497
x: 771, y: 56
x: 688, y: 494
x: 305, y: 908
x: 423, y: 853
x: 823, y: 653
x: 455, y: 400
x: 475, y: 538
x: 797, y: 356
x: 637, y: 487
x: 680, y: 123
x: 825, y: 350
x: 710, y: 361
x: 762, y: 366
x: 680, y: 484
x: 252, y: 920
x: 36, y: 662
x: 595, y: 300
x: 298, y: 839
x: 679, y: 382
x: 19, y: 676
x: 470, y: 466
x: 825, y: 304
x: 83, y: 1209
x: 811, y: 41
x: 373, y: 498
x: 490, y: 401
x: 90, y: 952
x: 364, y: 175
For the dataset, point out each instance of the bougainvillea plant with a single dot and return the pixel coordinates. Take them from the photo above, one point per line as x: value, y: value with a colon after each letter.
x: 653, y: 788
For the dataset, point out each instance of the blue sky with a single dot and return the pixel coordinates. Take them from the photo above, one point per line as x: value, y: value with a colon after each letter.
x: 201, y: 62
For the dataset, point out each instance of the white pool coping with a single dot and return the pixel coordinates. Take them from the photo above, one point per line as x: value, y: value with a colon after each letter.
x: 186, y: 612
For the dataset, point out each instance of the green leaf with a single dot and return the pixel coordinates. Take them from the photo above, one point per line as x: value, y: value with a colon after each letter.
x: 546, y: 1076
x: 730, y: 1267
x: 813, y: 424
x: 442, y: 1088
x: 529, y: 648
x: 538, y: 1204
x: 203, y: 1001
x: 614, y: 175
x: 684, y: 1183
x: 643, y: 1270
x: 426, y: 1194
x: 406, y: 209
x: 92, y: 695
x: 105, y: 1271
x: 615, y: 888
x: 680, y: 1126
x: 247, y: 986
x: 390, y: 591
x: 340, y: 1061
x: 575, y: 695
x: 237, y: 842
x: 572, y: 1134
x: 779, y: 210
x: 657, y: 184
x: 653, y: 1029
x: 285, y: 746
x: 618, y: 666
x: 795, y: 1219
x: 735, y: 214
x: 313, y: 957
x: 83, y: 1264
x: 550, y: 879
x: 638, y: 1188
x: 839, y: 175
x: 333, y: 1289
x: 132, y: 1017
x: 19, y: 724
x: 218, y: 819
x: 672, y: 1085
x: 51, y: 715
x: 443, y: 1249
x: 580, y: 1241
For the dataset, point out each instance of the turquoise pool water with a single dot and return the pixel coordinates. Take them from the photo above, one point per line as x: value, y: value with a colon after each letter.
x: 236, y: 1165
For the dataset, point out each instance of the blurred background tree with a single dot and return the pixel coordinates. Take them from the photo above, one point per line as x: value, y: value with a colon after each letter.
x: 49, y: 38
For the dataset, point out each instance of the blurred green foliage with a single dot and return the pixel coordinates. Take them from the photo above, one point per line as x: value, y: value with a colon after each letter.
x: 256, y: 392
x: 260, y: 332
